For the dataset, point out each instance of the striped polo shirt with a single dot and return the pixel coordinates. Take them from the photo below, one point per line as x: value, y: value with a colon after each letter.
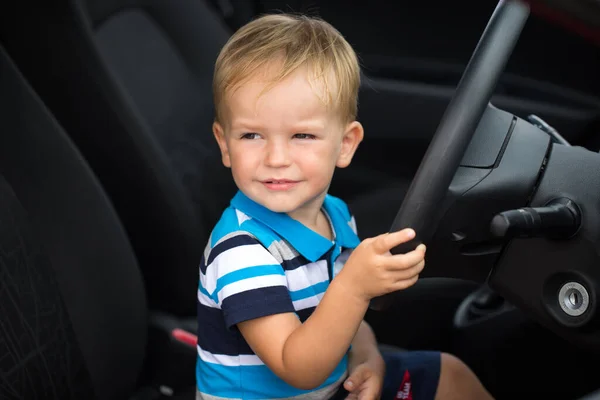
x: 257, y: 263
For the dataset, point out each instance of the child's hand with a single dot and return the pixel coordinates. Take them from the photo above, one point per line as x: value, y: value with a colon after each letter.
x: 373, y: 271
x: 365, y: 382
x: 365, y: 378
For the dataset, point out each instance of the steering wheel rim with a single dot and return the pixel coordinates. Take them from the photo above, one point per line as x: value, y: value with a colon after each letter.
x: 456, y: 128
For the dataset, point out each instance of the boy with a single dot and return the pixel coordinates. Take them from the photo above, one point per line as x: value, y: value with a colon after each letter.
x: 278, y: 315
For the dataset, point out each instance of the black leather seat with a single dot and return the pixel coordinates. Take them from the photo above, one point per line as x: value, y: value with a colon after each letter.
x: 73, y: 314
x: 130, y: 81
x: 139, y: 109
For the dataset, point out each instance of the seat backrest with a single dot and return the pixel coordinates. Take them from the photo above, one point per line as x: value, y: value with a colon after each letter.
x: 130, y: 81
x: 73, y: 316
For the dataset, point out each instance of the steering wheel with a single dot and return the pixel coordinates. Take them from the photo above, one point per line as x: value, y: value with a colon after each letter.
x: 420, y: 207
x: 496, y: 201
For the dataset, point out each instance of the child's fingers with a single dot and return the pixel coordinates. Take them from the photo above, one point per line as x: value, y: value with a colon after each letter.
x: 408, y: 260
x: 409, y: 273
x: 357, y: 378
x: 385, y: 243
x: 405, y: 283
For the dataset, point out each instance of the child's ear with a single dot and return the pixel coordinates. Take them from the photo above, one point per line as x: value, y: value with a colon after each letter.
x: 353, y: 135
x: 220, y: 136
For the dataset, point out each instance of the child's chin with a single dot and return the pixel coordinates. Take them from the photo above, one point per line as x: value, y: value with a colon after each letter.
x: 278, y: 207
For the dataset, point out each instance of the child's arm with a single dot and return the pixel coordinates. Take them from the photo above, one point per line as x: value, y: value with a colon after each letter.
x: 366, y: 366
x: 364, y: 345
x: 304, y: 355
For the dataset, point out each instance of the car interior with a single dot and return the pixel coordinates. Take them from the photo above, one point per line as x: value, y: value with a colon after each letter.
x: 482, y: 129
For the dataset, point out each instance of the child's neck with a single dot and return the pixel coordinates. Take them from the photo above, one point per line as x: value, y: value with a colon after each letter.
x: 315, y: 220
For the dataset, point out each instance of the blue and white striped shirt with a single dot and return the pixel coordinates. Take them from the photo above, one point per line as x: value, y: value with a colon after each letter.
x: 259, y: 263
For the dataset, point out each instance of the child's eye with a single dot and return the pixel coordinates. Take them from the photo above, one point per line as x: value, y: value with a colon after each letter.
x: 304, y: 136
x: 250, y: 135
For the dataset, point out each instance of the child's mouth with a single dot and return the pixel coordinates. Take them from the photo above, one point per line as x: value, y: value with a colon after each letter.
x: 279, y: 184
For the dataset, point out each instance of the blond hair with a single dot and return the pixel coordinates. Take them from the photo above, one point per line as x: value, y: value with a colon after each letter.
x: 297, y: 41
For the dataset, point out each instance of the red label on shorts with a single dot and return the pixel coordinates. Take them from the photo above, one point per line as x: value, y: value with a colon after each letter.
x: 405, y: 390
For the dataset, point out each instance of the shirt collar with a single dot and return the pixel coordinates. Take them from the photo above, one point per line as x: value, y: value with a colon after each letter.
x: 307, y: 242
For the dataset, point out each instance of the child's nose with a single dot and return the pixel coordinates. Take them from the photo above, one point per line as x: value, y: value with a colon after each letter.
x: 278, y: 155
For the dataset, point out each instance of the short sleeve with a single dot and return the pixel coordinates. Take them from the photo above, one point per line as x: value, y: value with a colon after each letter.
x: 244, y: 279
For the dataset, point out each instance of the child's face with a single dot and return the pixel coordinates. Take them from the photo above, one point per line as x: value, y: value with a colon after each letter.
x: 283, y: 146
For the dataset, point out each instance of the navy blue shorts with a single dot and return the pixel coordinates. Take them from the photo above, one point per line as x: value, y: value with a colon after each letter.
x: 410, y: 375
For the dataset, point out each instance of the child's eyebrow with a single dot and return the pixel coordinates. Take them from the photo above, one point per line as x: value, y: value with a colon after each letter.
x: 245, y: 125
x: 302, y: 126
x: 308, y: 126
